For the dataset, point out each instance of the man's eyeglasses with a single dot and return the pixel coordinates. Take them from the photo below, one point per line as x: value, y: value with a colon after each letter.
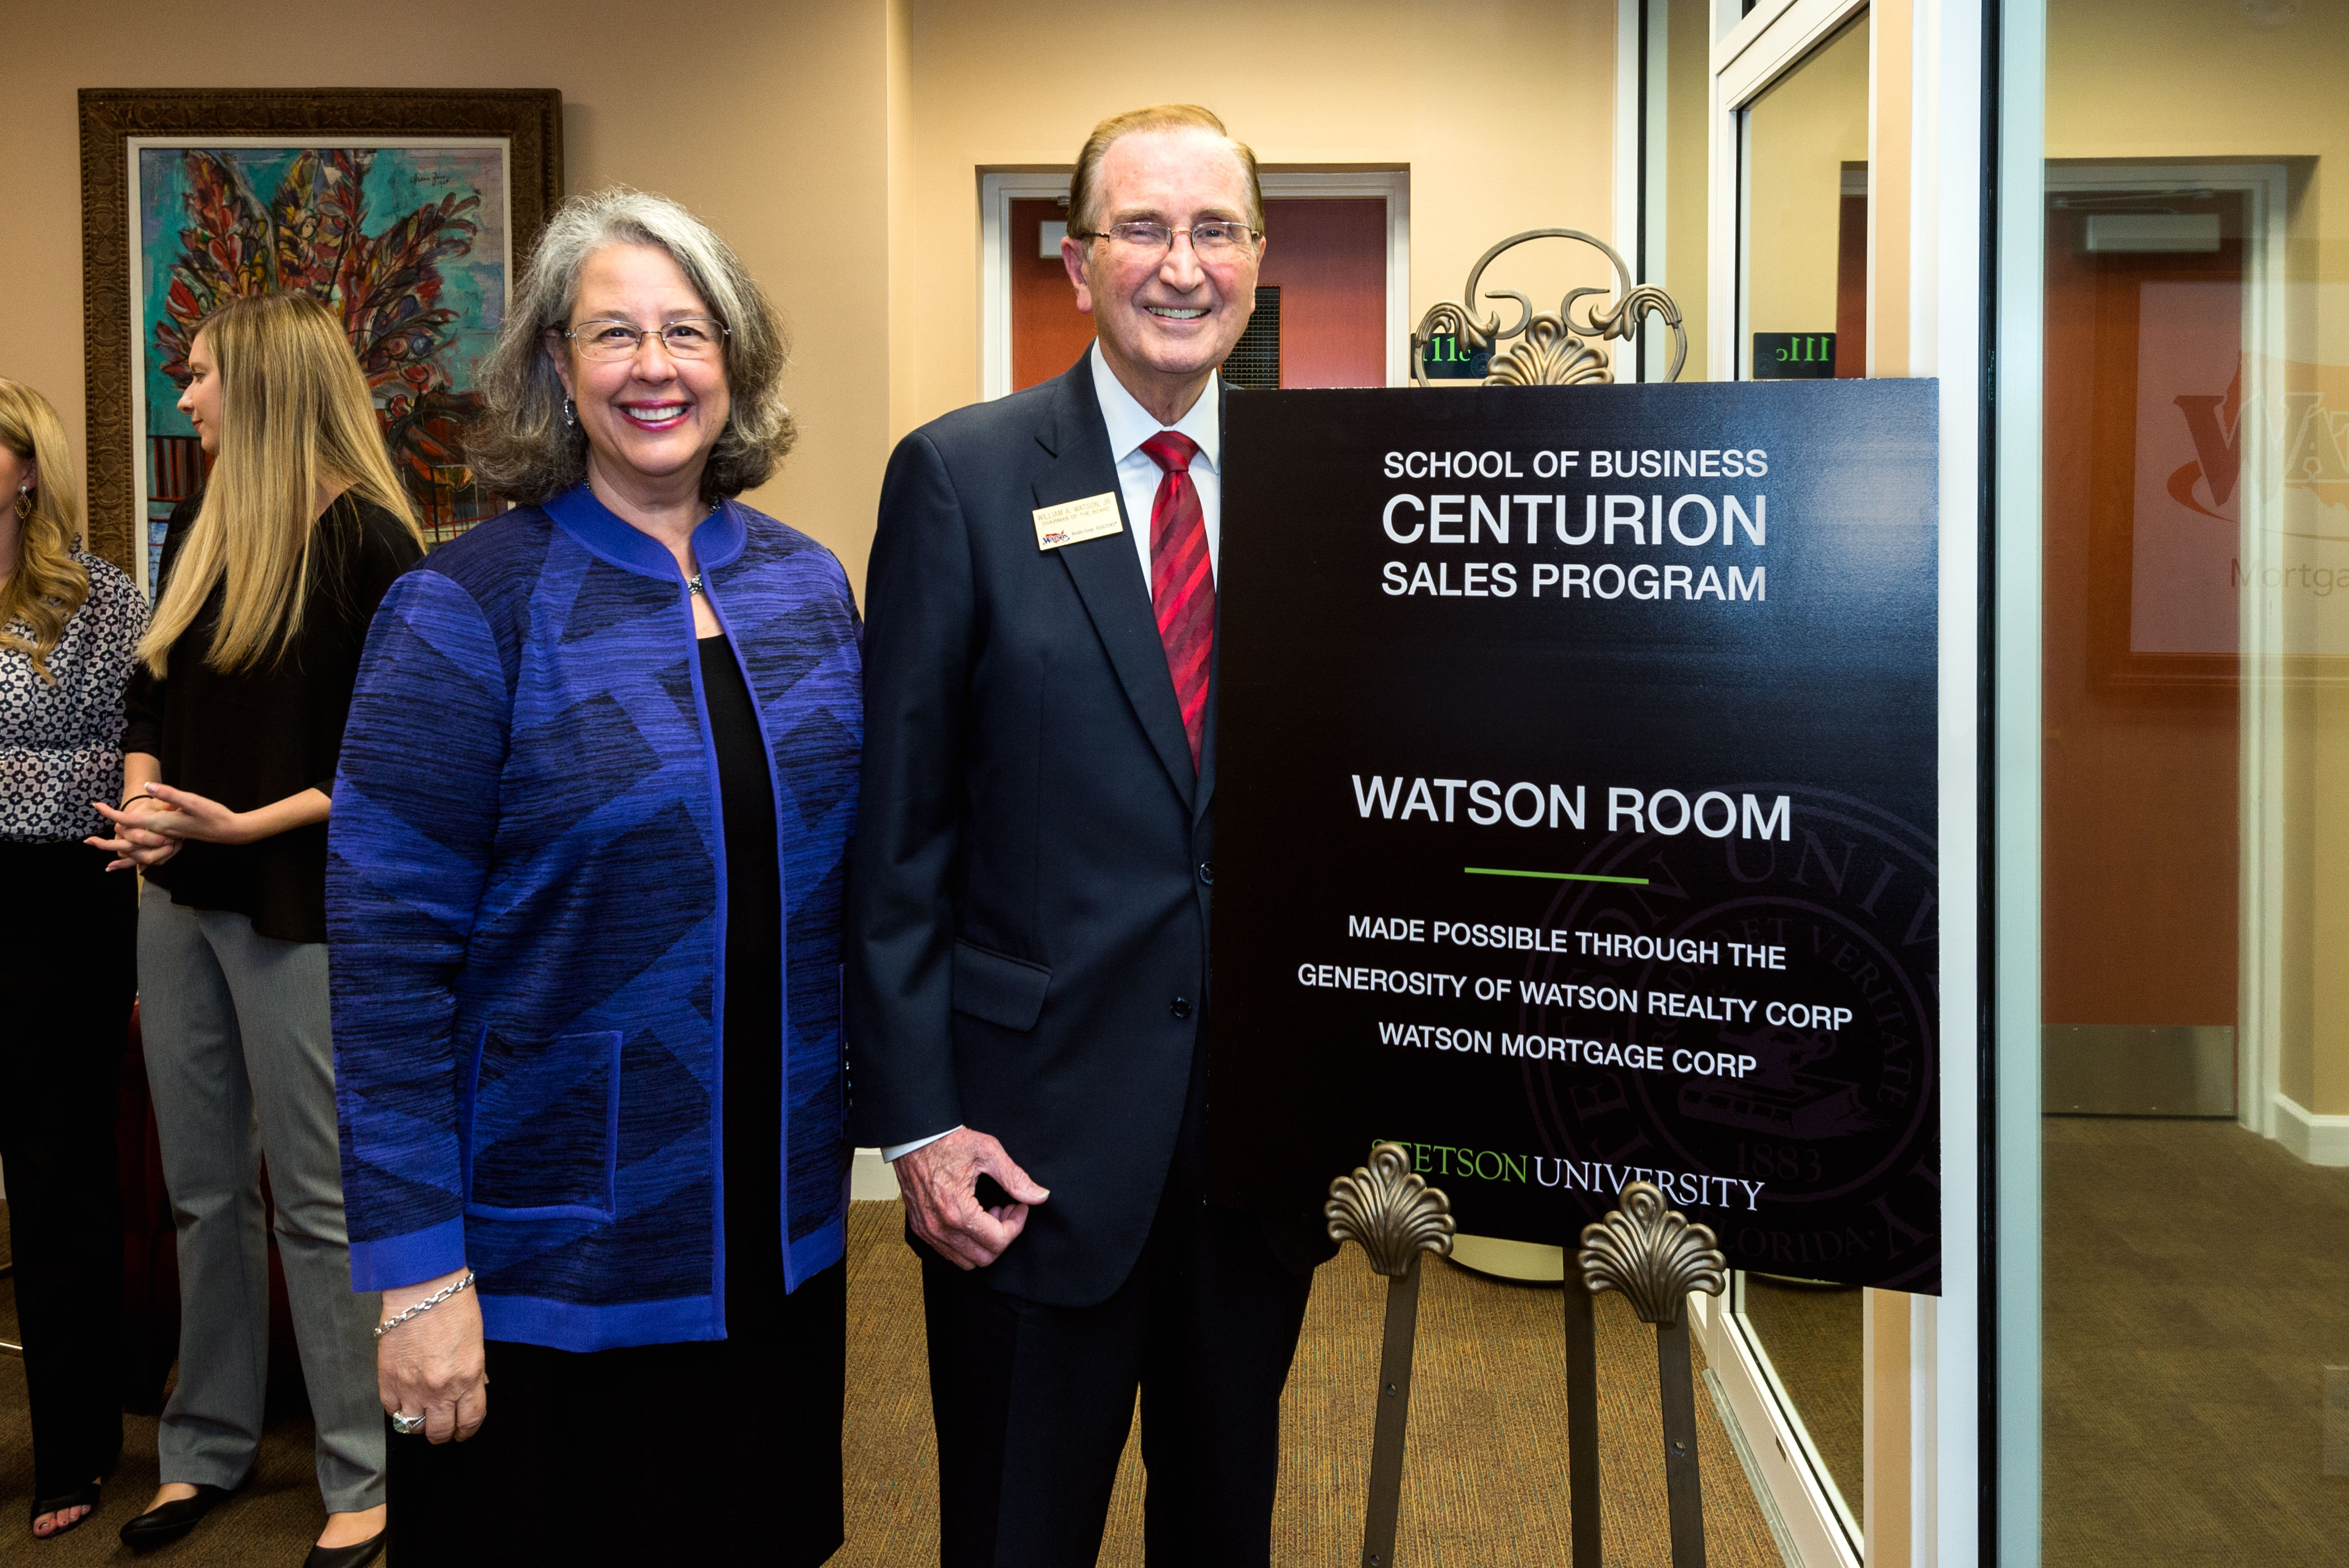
x: 1211, y: 240
x: 690, y: 337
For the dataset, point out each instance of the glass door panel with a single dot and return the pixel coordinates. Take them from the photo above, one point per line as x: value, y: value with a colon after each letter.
x: 1801, y: 310
x: 1804, y: 251
x: 2195, y: 692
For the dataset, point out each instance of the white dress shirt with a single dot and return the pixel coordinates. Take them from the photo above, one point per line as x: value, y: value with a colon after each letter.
x: 1130, y: 424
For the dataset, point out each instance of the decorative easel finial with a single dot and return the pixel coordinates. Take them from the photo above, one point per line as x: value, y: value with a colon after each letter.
x: 1552, y: 352
x: 1392, y: 1210
x: 1652, y: 1255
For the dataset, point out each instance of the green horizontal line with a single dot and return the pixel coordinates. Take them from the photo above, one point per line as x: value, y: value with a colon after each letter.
x: 1552, y: 876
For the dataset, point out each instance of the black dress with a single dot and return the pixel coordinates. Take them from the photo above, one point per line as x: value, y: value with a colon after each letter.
x: 710, y: 1451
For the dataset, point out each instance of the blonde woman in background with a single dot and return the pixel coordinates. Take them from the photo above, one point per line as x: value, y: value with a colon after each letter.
x: 235, y: 727
x: 68, y: 623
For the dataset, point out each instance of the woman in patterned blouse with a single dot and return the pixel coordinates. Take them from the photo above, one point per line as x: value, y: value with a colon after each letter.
x: 68, y: 623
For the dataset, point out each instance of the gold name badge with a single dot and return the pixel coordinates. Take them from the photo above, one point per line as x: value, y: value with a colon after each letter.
x: 1074, y: 521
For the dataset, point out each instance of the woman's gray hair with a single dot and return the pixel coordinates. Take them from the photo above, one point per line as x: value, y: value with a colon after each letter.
x: 524, y: 450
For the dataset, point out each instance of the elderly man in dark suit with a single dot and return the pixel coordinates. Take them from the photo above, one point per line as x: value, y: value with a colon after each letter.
x: 1030, y: 891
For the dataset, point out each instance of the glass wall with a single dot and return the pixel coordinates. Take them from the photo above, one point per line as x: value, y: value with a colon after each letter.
x: 2195, y: 780
x: 1804, y: 204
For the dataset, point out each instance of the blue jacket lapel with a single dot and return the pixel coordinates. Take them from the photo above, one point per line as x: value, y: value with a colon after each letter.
x: 1106, y: 574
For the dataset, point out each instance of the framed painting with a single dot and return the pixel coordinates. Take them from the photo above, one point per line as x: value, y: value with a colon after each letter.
x: 405, y: 212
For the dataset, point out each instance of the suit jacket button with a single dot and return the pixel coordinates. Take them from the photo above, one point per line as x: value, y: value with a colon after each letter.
x: 1180, y: 1006
x: 1208, y: 872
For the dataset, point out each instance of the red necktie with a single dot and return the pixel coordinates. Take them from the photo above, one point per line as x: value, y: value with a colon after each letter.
x: 1182, y: 579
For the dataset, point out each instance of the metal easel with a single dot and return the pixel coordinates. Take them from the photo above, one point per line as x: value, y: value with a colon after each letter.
x: 1643, y: 1249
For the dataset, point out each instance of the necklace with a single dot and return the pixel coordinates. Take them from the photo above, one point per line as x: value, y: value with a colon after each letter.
x: 693, y: 583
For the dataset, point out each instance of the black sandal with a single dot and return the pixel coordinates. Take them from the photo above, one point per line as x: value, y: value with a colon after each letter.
x: 87, y: 1497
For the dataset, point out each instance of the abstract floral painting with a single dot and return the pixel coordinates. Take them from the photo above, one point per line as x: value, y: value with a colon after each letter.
x: 409, y: 244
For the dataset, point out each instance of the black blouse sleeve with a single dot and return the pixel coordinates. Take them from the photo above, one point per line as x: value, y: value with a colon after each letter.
x: 383, y: 549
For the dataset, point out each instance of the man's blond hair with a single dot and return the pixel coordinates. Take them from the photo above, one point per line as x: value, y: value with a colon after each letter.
x: 1084, y: 194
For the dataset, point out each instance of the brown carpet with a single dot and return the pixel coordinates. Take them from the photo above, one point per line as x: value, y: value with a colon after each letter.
x: 272, y: 1525
x: 2196, y: 1286
x: 1484, y: 1483
x: 1484, y: 1476
x: 1813, y: 1336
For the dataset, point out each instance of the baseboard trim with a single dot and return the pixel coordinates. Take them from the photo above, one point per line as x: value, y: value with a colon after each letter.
x: 2319, y: 1139
x: 1789, y: 1554
x: 1807, y: 1525
x: 870, y: 1180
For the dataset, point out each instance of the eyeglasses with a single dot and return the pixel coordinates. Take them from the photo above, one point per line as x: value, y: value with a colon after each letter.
x: 689, y: 338
x: 1212, y: 241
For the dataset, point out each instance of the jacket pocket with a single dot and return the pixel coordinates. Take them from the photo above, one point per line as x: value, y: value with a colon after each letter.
x: 998, y: 988
x: 543, y: 1128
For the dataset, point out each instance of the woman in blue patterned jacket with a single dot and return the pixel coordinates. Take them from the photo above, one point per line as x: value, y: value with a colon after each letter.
x: 584, y: 904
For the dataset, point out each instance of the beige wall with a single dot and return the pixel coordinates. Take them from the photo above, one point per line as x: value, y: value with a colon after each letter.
x: 782, y: 145
x: 1688, y: 104
x: 837, y: 144
x: 2132, y: 82
x: 1502, y: 110
x: 1892, y: 29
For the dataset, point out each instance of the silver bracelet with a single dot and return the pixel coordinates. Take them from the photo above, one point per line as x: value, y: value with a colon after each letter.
x: 427, y: 1305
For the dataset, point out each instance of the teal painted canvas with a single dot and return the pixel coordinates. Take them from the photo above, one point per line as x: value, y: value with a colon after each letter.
x: 409, y: 245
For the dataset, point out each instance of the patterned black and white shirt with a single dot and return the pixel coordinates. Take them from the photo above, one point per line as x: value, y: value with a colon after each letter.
x: 61, y: 746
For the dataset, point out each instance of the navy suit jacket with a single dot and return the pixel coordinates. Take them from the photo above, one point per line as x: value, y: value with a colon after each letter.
x: 1030, y: 881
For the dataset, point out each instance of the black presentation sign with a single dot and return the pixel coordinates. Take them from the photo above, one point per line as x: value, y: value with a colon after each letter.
x: 1576, y: 791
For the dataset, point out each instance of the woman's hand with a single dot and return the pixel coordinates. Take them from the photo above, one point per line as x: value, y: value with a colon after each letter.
x: 194, y: 816
x: 167, y: 816
x: 431, y: 1364
x: 140, y: 839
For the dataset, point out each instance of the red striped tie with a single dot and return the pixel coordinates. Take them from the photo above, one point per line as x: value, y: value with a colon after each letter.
x: 1182, y: 580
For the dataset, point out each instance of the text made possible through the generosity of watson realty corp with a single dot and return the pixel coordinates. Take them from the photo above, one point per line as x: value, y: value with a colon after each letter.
x: 1593, y: 503
x: 1620, y: 1003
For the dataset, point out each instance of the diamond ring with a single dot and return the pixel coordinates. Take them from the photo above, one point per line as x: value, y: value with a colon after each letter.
x: 407, y: 1426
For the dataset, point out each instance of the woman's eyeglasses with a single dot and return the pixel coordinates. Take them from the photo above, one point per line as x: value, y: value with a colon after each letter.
x: 690, y: 337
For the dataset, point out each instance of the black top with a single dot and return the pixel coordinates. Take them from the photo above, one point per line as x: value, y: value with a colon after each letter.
x: 271, y: 730
x: 751, y: 1064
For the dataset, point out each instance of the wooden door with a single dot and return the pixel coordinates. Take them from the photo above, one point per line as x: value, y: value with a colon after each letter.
x: 2139, y: 810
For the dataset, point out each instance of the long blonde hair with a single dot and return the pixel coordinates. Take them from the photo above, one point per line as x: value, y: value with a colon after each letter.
x: 295, y: 415
x: 48, y: 585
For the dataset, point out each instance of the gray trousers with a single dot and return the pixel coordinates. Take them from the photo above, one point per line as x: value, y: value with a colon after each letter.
x: 242, y: 1065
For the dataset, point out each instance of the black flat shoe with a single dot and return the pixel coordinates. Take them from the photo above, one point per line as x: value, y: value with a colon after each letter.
x: 161, y: 1526
x: 359, y: 1554
x: 85, y: 1497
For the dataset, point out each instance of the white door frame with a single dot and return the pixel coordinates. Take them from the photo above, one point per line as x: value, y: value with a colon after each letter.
x: 998, y: 189
x: 1756, y: 52
x: 1810, y: 1522
x: 1946, y: 314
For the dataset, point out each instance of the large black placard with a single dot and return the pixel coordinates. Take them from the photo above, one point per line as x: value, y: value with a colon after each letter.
x: 1577, y: 798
